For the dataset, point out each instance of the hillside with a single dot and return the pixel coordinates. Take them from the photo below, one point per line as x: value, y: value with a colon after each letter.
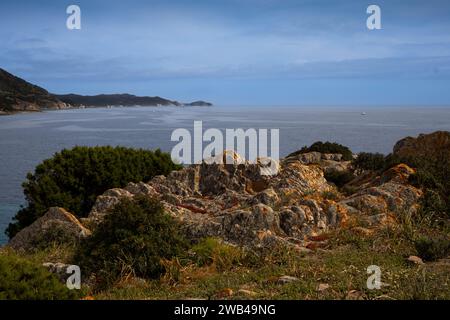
x: 17, y: 94
x: 104, y: 100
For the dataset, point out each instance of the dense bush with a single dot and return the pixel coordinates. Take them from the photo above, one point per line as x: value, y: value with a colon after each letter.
x: 23, y: 280
x: 132, y: 240
x: 74, y: 178
x: 327, y: 147
x: 433, y: 176
x: 339, y: 178
x: 369, y: 161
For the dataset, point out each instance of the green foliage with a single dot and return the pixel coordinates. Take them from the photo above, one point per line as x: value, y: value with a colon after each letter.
x: 339, y: 178
x: 132, y: 240
x: 433, y: 176
x: 21, y: 279
x: 53, y: 236
x: 327, y: 147
x: 212, y: 251
x: 432, y: 248
x: 73, y: 179
x: 369, y: 161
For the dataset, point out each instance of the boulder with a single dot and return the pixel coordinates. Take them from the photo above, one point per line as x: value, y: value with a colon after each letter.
x: 310, y: 157
x: 55, y: 219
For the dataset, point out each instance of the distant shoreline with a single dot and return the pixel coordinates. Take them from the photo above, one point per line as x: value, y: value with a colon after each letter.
x: 16, y: 112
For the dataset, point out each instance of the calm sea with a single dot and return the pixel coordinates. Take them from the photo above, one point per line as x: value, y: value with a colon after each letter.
x: 27, y: 139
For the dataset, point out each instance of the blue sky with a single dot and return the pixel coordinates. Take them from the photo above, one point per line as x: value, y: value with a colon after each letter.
x: 251, y: 52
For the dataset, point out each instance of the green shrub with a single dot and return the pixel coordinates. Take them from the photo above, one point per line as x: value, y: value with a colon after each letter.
x: 53, y: 236
x: 21, y: 279
x: 327, y: 147
x: 432, y: 248
x: 369, y: 161
x: 212, y: 251
x: 73, y: 179
x: 339, y: 178
x: 132, y: 240
x: 433, y: 176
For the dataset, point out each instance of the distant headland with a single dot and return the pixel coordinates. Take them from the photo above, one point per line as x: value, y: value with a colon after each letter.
x: 18, y: 95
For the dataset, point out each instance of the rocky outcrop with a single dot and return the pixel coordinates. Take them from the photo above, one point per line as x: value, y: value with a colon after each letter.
x: 238, y: 204
x: 383, y: 197
x: 56, y: 219
x: 235, y: 202
x: 428, y: 146
x: 327, y: 161
x: 229, y: 198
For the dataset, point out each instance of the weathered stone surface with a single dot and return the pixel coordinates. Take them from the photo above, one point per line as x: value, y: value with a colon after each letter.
x: 236, y: 202
x: 425, y: 145
x: 332, y: 156
x: 55, y: 218
x: 332, y: 165
x: 389, y: 194
x: 107, y: 201
x: 242, y: 206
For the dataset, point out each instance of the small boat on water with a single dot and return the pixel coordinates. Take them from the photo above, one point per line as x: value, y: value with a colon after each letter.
x: 363, y: 113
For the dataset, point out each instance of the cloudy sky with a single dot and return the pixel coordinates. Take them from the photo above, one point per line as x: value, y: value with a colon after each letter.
x: 250, y: 52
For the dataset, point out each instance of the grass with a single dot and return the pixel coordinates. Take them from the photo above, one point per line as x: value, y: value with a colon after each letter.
x: 216, y: 270
x: 342, y: 265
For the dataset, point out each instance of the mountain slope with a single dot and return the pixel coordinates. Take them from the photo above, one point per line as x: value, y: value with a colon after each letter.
x: 17, y: 94
x: 104, y: 100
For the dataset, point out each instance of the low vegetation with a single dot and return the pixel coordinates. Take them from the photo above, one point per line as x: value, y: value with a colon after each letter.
x: 22, y: 279
x: 337, y: 271
x: 73, y: 179
x: 131, y: 241
x: 369, y: 161
x: 212, y: 269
